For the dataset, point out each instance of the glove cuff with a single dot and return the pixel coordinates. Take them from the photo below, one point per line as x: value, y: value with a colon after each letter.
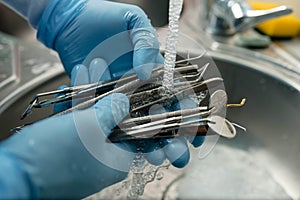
x: 57, y: 15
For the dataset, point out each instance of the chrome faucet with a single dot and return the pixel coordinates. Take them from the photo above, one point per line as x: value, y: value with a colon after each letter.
x: 227, y: 17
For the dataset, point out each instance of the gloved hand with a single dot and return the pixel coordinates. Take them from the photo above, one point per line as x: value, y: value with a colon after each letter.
x: 50, y: 158
x: 123, y: 32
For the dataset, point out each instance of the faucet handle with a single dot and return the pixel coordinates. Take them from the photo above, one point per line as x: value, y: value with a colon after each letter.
x: 227, y: 17
x: 255, y: 17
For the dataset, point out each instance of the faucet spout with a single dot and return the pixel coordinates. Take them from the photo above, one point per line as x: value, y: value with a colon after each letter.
x: 227, y: 17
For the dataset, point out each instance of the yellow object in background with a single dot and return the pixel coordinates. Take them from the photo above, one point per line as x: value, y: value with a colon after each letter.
x: 286, y: 26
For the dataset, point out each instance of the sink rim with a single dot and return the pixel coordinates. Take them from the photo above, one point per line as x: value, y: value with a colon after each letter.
x: 274, y: 70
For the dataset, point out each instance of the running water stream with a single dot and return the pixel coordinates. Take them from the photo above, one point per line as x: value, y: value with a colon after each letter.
x: 175, y: 8
x: 140, y: 175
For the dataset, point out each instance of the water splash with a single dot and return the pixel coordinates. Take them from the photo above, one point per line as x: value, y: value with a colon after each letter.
x: 137, y: 182
x: 141, y: 174
x: 175, y: 8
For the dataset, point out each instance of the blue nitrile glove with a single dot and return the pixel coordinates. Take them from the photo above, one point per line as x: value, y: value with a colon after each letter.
x: 49, y: 159
x: 127, y: 40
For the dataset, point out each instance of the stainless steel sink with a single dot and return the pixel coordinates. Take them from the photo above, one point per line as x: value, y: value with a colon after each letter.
x: 262, y: 163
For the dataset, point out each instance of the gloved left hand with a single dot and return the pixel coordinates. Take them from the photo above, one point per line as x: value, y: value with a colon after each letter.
x: 74, y: 28
x: 50, y: 159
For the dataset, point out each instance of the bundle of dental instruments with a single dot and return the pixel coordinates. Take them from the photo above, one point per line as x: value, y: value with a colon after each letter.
x: 204, y: 119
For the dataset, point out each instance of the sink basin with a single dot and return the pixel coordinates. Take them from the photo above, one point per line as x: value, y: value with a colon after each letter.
x: 261, y: 163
